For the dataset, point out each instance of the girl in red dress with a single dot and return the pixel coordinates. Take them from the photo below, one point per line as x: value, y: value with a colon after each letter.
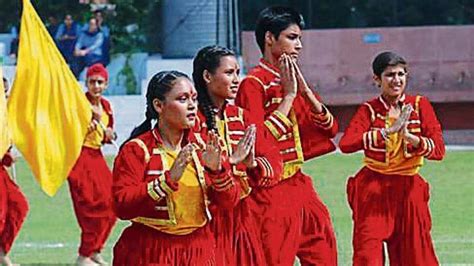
x: 254, y: 159
x: 164, y: 181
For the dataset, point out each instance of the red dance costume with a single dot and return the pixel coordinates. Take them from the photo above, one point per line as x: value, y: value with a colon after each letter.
x: 90, y: 183
x: 170, y: 220
x: 236, y: 232
x: 293, y: 219
x: 389, y: 199
x: 13, y: 206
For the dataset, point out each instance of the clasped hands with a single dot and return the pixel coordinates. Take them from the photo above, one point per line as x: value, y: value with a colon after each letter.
x: 213, y: 154
x: 292, y: 82
x: 401, y: 126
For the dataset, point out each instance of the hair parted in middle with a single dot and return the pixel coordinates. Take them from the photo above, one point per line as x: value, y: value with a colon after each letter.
x: 160, y: 84
x: 208, y: 58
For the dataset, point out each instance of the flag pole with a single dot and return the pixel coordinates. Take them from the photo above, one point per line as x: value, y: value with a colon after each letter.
x: 13, y: 167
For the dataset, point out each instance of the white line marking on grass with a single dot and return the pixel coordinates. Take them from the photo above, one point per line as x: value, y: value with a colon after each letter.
x: 42, y: 245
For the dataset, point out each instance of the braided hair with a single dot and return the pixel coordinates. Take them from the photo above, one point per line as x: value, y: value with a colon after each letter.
x: 208, y: 58
x: 159, y: 85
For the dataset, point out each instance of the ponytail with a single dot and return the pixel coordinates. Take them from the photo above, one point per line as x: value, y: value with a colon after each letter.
x: 159, y: 85
x: 208, y: 58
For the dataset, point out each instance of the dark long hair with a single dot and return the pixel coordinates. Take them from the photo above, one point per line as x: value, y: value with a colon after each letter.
x: 159, y: 85
x: 208, y: 58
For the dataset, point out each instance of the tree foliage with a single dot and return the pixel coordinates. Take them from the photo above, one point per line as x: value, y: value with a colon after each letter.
x: 136, y: 25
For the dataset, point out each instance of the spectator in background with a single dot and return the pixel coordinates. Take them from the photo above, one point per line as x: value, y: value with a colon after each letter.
x: 52, y: 25
x: 66, y: 37
x: 14, y: 43
x: 5, y: 86
x: 99, y: 16
x: 14, y: 47
x: 88, y: 48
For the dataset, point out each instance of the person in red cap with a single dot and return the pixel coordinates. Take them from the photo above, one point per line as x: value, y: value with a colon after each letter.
x: 90, y: 181
x: 13, y: 204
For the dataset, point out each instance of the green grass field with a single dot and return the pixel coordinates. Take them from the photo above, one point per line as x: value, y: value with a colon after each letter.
x: 50, y: 234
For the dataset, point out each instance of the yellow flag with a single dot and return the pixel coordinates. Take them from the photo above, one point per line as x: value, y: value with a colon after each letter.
x: 4, y: 140
x: 47, y: 110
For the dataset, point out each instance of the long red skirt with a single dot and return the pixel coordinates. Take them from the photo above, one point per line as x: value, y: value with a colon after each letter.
x: 237, y: 236
x: 393, y: 209
x: 90, y: 183
x: 13, y: 210
x: 294, y: 222
x: 142, y: 245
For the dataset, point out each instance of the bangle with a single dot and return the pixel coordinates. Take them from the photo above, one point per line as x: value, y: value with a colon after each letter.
x: 383, y: 131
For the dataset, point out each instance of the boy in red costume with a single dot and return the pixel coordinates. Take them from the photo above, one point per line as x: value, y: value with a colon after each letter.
x: 293, y: 219
x: 389, y: 199
x: 90, y: 181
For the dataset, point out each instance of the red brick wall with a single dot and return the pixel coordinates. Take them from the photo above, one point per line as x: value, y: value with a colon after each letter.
x: 337, y: 64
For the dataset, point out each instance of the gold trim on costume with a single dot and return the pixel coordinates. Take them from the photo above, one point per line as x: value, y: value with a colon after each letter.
x: 142, y: 145
x: 151, y: 191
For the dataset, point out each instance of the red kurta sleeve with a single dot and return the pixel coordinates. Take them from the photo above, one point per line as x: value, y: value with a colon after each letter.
x: 224, y: 191
x: 251, y: 97
x: 109, y: 111
x: 325, y: 120
x: 431, y: 143
x: 358, y: 134
x: 267, y: 155
x: 130, y: 190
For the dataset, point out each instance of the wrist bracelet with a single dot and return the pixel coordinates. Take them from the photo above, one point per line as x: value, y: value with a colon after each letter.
x: 383, y: 132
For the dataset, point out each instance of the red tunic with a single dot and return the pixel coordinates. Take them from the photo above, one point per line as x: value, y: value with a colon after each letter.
x: 13, y: 206
x: 236, y: 232
x: 143, y: 192
x: 90, y: 184
x: 293, y: 219
x: 392, y: 207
